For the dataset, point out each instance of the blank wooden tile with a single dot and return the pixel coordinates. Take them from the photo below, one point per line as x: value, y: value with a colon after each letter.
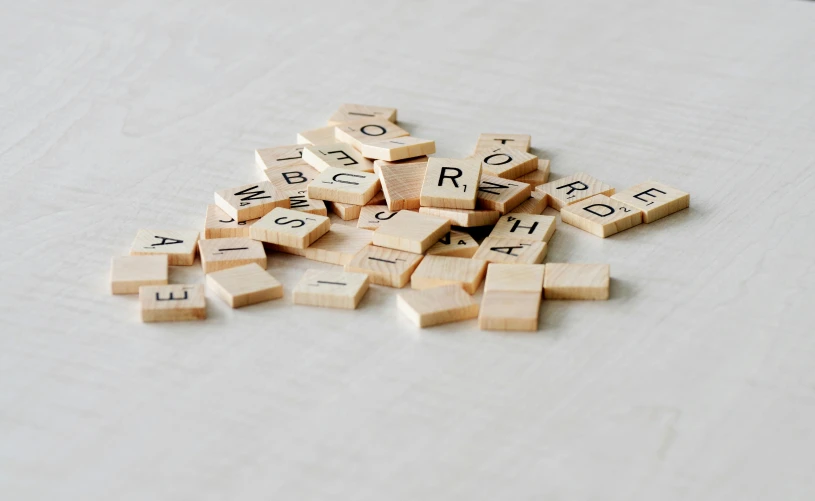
x: 331, y: 289
x: 411, y: 232
x: 535, y: 204
x: 251, y: 201
x: 509, y: 311
x: 292, y: 177
x: 345, y: 186
x: 655, y: 200
x: 576, y: 281
x: 222, y: 253
x: 128, y: 273
x: 399, y: 148
x: 367, y: 131
x: 279, y: 156
x: 354, y: 112
x: 338, y: 155
x: 538, y: 176
x: 601, y: 216
x: 402, y: 183
x: 503, y: 195
x: 300, y: 201
x: 455, y: 244
x: 506, y: 163
x: 346, y: 212
x: 172, y: 303
x: 525, y: 227
x: 572, y: 189
x: 520, y: 142
x: 440, y: 305
x: 244, y: 285
x: 464, y: 217
x: 407, y: 161
x: 321, y: 135
x: 178, y: 245
x: 511, y: 251
x: 384, y: 266
x: 372, y: 216
x: 450, y: 183
x: 514, y: 278
x: 290, y: 228
x: 436, y: 271
x: 219, y: 224
x: 338, y: 246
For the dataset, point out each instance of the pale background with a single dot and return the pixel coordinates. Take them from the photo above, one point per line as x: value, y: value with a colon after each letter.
x: 695, y: 381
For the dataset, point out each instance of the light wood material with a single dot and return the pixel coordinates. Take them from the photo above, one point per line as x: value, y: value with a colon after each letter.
x: 573, y: 189
x: 345, y: 186
x: 279, y: 156
x: 384, y: 266
x: 245, y: 285
x: 338, y: 246
x: 511, y: 251
x: 290, y: 228
x: 320, y: 135
x: 464, y: 217
x: 367, y: 131
x: 440, y: 305
x: 399, y: 148
x: 128, y: 273
x: 354, y: 112
x: 507, y: 163
x: 251, y: 201
x: 178, y: 245
x: 509, y: 311
x: 219, y: 224
x: 601, y: 216
x: 450, y: 183
x: 436, y: 271
x: 337, y: 155
x: 495, y: 193
x: 346, y: 212
x: 222, y: 253
x: 515, y: 141
x: 331, y: 289
x: 514, y: 277
x: 299, y: 201
x: 377, y: 199
x: 525, y: 227
x: 292, y: 177
x: 455, y: 244
x: 655, y: 200
x: 372, y: 216
x: 576, y: 281
x: 535, y: 204
x: 407, y: 161
x: 172, y: 303
x: 411, y: 232
x: 402, y: 183
x: 538, y: 176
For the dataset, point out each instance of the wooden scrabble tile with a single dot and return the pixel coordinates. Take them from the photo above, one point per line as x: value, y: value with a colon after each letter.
x: 322, y: 135
x: 437, y: 306
x: 128, y: 273
x: 411, y: 232
x: 367, y: 131
x: 533, y: 227
x: 538, y: 176
x: 338, y: 155
x: 178, y: 245
x: 345, y: 186
x: 464, y: 217
x: 222, y: 253
x: 655, y: 200
x: 506, y: 162
x: 436, y: 271
x: 331, y: 289
x: 219, y: 224
x: 399, y: 148
x: 572, y: 189
x: 353, y: 112
x: 279, y: 156
x: 372, y: 216
x: 338, y: 246
x: 450, y: 183
x: 172, y: 303
x: 576, y: 281
x: 384, y: 266
x: 290, y: 228
x: 402, y: 183
x: 520, y: 142
x: 407, y: 161
x: 511, y: 251
x: 300, y: 201
x: 535, y: 204
x: 503, y: 195
x: 601, y: 216
x: 292, y: 177
x: 346, y: 212
x: 378, y: 199
x: 514, y: 278
x: 244, y: 285
x: 456, y: 244
x: 509, y: 311
x: 251, y: 201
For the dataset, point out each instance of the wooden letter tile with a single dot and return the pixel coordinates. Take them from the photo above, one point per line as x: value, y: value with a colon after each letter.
x: 451, y: 183
x: 503, y: 195
x: 520, y: 142
x: 331, y: 289
x: 436, y: 306
x: 244, y: 285
x: 399, y: 148
x: 572, y: 189
x: 300, y: 201
x: 338, y: 246
x: 219, y: 224
x: 344, y: 186
x: 538, y: 176
x: 172, y: 303
x: 290, y: 228
x: 367, y: 131
x: 411, y: 232
x: 436, y: 271
x: 525, y: 227
x: 372, y: 216
x: 511, y: 251
x: 601, y: 216
x: 506, y: 163
x: 512, y: 297
x: 655, y: 200
x: 576, y: 281
x: 465, y: 218
x: 279, y: 156
x: 514, y: 278
x: 322, y: 135
x: 338, y: 155
x: 292, y: 177
x: 378, y: 199
x: 455, y: 244
x: 222, y: 253
x: 535, y: 204
x: 402, y: 183
x: 353, y: 112
x: 128, y: 273
x: 384, y: 266
x: 346, y: 212
x: 251, y: 201
x: 178, y: 245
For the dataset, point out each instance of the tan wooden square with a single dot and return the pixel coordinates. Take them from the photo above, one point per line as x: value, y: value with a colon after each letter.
x: 222, y: 253
x: 410, y: 231
x: 511, y: 251
x: 506, y: 162
x: 178, y: 245
x: 290, y: 228
x: 450, y: 183
x: 355, y: 112
x: 337, y: 155
x: 384, y: 266
x: 503, y: 195
x: 455, y: 244
x: 435, y: 271
x: 655, y: 200
x: 367, y: 131
x: 573, y: 189
x: 244, y: 285
x: 251, y: 201
x: 525, y: 227
x: 520, y: 142
x: 172, y: 303
x: 331, y: 289
x: 437, y: 306
x: 219, y: 224
x: 128, y: 273
x: 344, y: 186
x: 601, y: 216
x: 402, y: 183
x: 576, y: 281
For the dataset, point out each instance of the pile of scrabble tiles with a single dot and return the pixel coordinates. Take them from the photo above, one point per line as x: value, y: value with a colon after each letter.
x: 412, y: 212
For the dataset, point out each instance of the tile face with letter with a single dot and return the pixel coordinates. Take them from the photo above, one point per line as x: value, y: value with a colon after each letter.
x: 601, y: 216
x: 506, y: 162
x: 533, y: 227
x: 367, y: 131
x: 451, y: 183
x: 456, y: 244
x: 244, y: 285
x: 290, y: 228
x: 515, y: 141
x: 655, y: 200
x: 331, y: 289
x: 251, y: 201
x: 222, y: 253
x: 511, y: 251
x: 436, y: 306
x: 292, y: 177
x: 399, y: 148
x: 572, y: 189
x: 345, y: 186
x: 385, y: 266
x: 300, y: 201
x: 178, y: 245
x: 500, y: 194
x: 372, y: 216
x: 339, y: 155
x: 172, y: 303
x: 576, y: 281
x: 279, y: 156
x: 354, y: 112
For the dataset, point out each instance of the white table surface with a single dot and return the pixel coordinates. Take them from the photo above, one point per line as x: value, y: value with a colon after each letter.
x: 695, y: 381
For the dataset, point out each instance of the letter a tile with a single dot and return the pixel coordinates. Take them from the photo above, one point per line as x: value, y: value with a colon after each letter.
x: 601, y: 216
x: 331, y: 289
x: 655, y: 200
x: 572, y: 189
x: 511, y: 251
x: 290, y: 228
x: 345, y: 186
x: 172, y: 303
x: 338, y: 155
x: 251, y: 201
x: 178, y: 245
x: 451, y: 183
